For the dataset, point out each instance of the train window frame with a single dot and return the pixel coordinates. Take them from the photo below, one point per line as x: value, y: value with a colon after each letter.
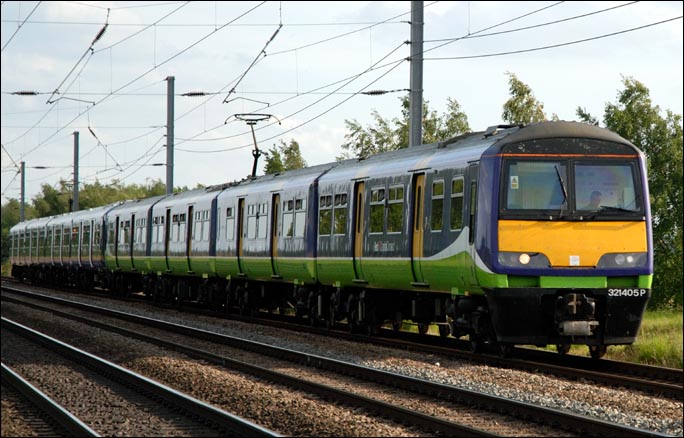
x: 377, y: 207
x: 230, y: 223
x: 325, y: 215
x: 300, y: 217
x: 609, y: 202
x: 262, y: 221
x: 340, y: 209
x: 569, y: 209
x: 140, y: 231
x: 85, y: 234
x: 97, y: 233
x: 437, y: 199
x: 395, y: 203
x: 288, y: 219
x: 200, y: 227
x: 457, y: 198
x: 178, y: 228
x: 542, y: 193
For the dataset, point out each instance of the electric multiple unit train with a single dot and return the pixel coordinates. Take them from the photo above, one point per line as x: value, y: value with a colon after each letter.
x: 537, y: 234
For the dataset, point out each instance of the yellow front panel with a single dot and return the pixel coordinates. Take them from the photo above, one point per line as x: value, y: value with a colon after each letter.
x: 561, y: 241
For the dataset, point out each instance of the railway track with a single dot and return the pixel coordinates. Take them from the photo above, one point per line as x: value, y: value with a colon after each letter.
x: 40, y: 415
x: 466, y: 400
x: 659, y: 381
x: 110, y: 396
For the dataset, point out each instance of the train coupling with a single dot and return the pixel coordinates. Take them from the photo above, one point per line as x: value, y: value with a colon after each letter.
x: 575, y: 315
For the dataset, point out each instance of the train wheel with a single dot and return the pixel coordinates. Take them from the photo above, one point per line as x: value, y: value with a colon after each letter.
x: 352, y: 314
x: 397, y: 322
x: 444, y: 330
x: 423, y: 328
x: 476, y: 344
x: 243, y: 301
x: 597, y: 351
x: 505, y: 350
x: 562, y: 348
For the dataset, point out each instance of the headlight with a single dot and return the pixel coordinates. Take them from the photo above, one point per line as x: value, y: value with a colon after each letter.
x: 523, y: 259
x: 623, y: 260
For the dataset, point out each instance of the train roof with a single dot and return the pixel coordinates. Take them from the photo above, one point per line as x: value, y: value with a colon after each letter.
x: 561, y: 129
x: 135, y: 204
x: 279, y: 181
x: 455, y: 152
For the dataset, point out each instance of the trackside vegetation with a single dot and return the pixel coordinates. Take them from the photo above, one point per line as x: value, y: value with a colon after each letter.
x: 658, y: 343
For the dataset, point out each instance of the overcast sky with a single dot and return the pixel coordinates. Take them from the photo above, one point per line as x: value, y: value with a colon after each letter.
x: 307, y: 74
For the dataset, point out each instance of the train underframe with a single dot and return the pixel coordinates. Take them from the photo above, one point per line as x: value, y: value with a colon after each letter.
x: 500, y: 318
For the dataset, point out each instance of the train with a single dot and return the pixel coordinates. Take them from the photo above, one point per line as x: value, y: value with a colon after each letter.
x: 498, y: 237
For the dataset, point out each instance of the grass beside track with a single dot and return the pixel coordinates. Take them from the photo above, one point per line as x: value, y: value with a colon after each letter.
x: 659, y: 342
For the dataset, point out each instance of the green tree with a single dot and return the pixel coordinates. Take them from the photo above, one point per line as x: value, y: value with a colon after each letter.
x: 274, y: 161
x: 292, y: 156
x: 284, y: 157
x: 10, y: 217
x: 522, y: 107
x: 51, y: 201
x: 660, y: 138
x: 391, y: 135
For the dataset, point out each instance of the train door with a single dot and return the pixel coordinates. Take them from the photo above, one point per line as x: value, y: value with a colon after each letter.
x: 275, y: 211
x: 472, y: 218
x: 240, y: 228
x: 167, y: 238
x: 418, y: 229
x: 116, y: 242
x: 91, y: 229
x: 359, y: 194
x: 131, y: 245
x: 188, y: 240
x: 78, y: 226
x: 51, y: 238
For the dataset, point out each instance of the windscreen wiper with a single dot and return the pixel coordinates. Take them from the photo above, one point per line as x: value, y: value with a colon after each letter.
x: 565, y: 191
x: 610, y: 208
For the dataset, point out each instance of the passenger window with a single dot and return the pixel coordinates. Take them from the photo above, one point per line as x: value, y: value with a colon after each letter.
x: 340, y: 214
x: 325, y: 215
x: 377, y: 210
x: 288, y: 221
x: 395, y: 210
x: 456, y: 204
x: 300, y: 217
x: 437, y: 206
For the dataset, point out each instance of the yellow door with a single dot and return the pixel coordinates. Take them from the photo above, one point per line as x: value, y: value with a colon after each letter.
x: 275, y: 211
x: 358, y: 228
x: 418, y: 226
x: 240, y: 228
x: 189, y: 235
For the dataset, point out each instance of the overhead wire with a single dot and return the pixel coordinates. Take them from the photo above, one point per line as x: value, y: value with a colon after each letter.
x: 88, y: 50
x: 20, y: 26
x: 142, y: 75
x: 553, y: 46
x: 265, y: 126
x: 156, y: 23
x: 471, y: 36
x: 519, y: 29
x: 353, y: 78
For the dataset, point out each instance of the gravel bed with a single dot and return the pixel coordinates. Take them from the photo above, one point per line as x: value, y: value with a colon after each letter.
x: 278, y: 408
x: 458, y: 413
x: 626, y: 407
x: 19, y: 417
x: 106, y: 406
